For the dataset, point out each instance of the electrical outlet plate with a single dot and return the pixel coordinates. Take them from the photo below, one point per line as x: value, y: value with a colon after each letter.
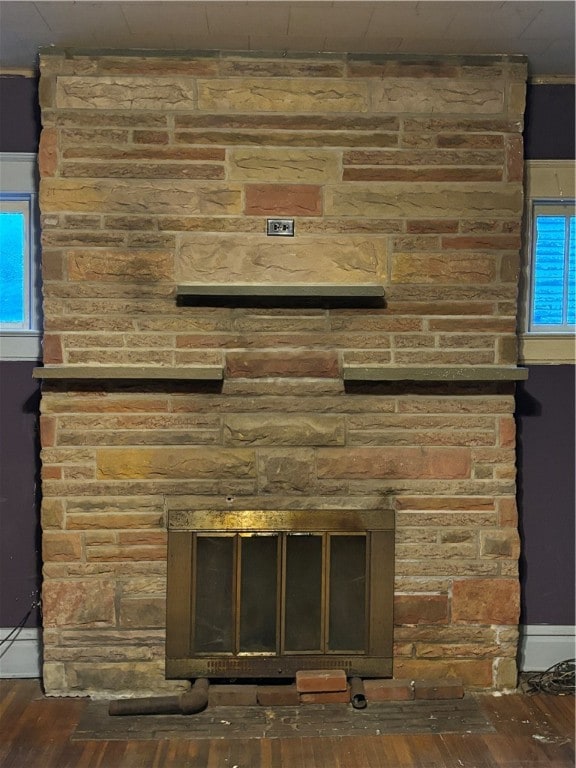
x: 280, y: 227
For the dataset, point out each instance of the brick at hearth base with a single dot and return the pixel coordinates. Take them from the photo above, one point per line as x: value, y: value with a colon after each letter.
x: 387, y: 689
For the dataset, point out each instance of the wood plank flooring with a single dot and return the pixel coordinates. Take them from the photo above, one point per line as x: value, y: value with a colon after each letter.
x: 530, y: 732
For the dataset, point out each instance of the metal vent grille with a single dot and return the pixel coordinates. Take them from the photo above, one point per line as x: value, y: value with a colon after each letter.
x: 268, y: 593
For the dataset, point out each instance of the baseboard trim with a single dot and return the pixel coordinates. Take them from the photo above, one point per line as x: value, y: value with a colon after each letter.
x: 543, y: 645
x: 21, y: 655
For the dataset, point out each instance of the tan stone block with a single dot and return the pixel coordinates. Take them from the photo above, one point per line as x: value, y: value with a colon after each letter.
x: 287, y: 472
x: 54, y: 679
x: 119, y: 265
x: 507, y: 513
x: 48, y: 152
x: 286, y: 67
x: 52, y: 349
x: 516, y: 98
x: 395, y: 462
x: 143, y: 612
x: 179, y: 197
x: 185, y: 462
x: 125, y: 92
x: 505, y: 544
x: 283, y: 165
x: 142, y: 170
x: 154, y: 65
x: 52, y: 267
x: 486, y: 601
x: 83, y: 522
x: 422, y: 174
x: 125, y: 554
x: 397, y: 200
x: 474, y: 673
x: 143, y: 538
x: 514, y: 158
x: 449, y: 268
x: 420, y: 609
x: 279, y: 430
x: 472, y: 140
x: 443, y: 96
x: 507, y: 350
x: 87, y: 602
x: 506, y: 674
x: 476, y: 650
x: 122, y: 678
x: 225, y: 258
x: 61, y: 546
x: 448, y: 634
x: 53, y: 514
x: 267, y: 94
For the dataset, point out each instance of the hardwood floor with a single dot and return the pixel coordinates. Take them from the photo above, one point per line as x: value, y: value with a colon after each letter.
x: 530, y: 732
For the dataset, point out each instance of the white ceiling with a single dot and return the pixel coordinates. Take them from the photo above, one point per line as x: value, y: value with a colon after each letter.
x: 543, y: 31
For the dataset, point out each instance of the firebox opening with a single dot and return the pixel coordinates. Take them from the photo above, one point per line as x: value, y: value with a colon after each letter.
x: 267, y: 593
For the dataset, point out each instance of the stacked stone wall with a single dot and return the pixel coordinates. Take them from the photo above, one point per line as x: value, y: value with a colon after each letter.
x: 158, y: 170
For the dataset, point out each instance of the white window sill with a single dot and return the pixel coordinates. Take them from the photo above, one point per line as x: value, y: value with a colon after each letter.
x: 548, y: 349
x: 21, y: 345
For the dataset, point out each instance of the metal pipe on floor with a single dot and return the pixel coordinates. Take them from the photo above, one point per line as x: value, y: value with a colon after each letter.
x: 357, y: 695
x: 188, y: 703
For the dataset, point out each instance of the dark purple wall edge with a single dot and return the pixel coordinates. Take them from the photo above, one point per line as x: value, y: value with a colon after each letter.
x: 546, y: 492
x: 19, y: 494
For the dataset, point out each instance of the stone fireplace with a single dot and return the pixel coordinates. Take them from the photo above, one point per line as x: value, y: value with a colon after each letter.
x: 196, y: 366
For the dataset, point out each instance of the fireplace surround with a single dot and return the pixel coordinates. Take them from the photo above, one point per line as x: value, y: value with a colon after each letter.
x: 197, y: 369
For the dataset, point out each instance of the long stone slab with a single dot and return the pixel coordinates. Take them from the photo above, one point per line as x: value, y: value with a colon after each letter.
x: 331, y: 290
x: 127, y: 372
x: 441, y: 373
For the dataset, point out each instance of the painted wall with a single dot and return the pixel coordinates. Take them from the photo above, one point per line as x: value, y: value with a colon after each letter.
x: 19, y: 397
x: 545, y: 414
x: 546, y: 418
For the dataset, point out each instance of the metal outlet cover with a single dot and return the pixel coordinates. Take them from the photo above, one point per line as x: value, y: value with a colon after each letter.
x: 280, y: 227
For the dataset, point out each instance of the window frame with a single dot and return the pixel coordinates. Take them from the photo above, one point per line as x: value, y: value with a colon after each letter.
x: 546, y: 181
x: 19, y: 181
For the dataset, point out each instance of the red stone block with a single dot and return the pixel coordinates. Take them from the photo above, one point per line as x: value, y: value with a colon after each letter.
x: 248, y: 364
x: 389, y: 690
x: 486, y: 601
x: 278, y: 695
x: 283, y: 200
x: 232, y: 695
x: 438, y: 689
x: 321, y: 680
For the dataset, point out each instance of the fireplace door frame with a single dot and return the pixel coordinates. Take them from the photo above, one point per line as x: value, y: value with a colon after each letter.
x: 187, y: 588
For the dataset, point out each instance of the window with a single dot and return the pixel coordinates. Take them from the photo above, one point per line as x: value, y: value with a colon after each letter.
x: 549, y: 276
x: 553, y: 272
x: 19, y: 258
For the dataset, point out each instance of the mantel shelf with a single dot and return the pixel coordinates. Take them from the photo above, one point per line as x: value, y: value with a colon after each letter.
x: 130, y: 372
x: 280, y: 293
x: 434, y: 373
